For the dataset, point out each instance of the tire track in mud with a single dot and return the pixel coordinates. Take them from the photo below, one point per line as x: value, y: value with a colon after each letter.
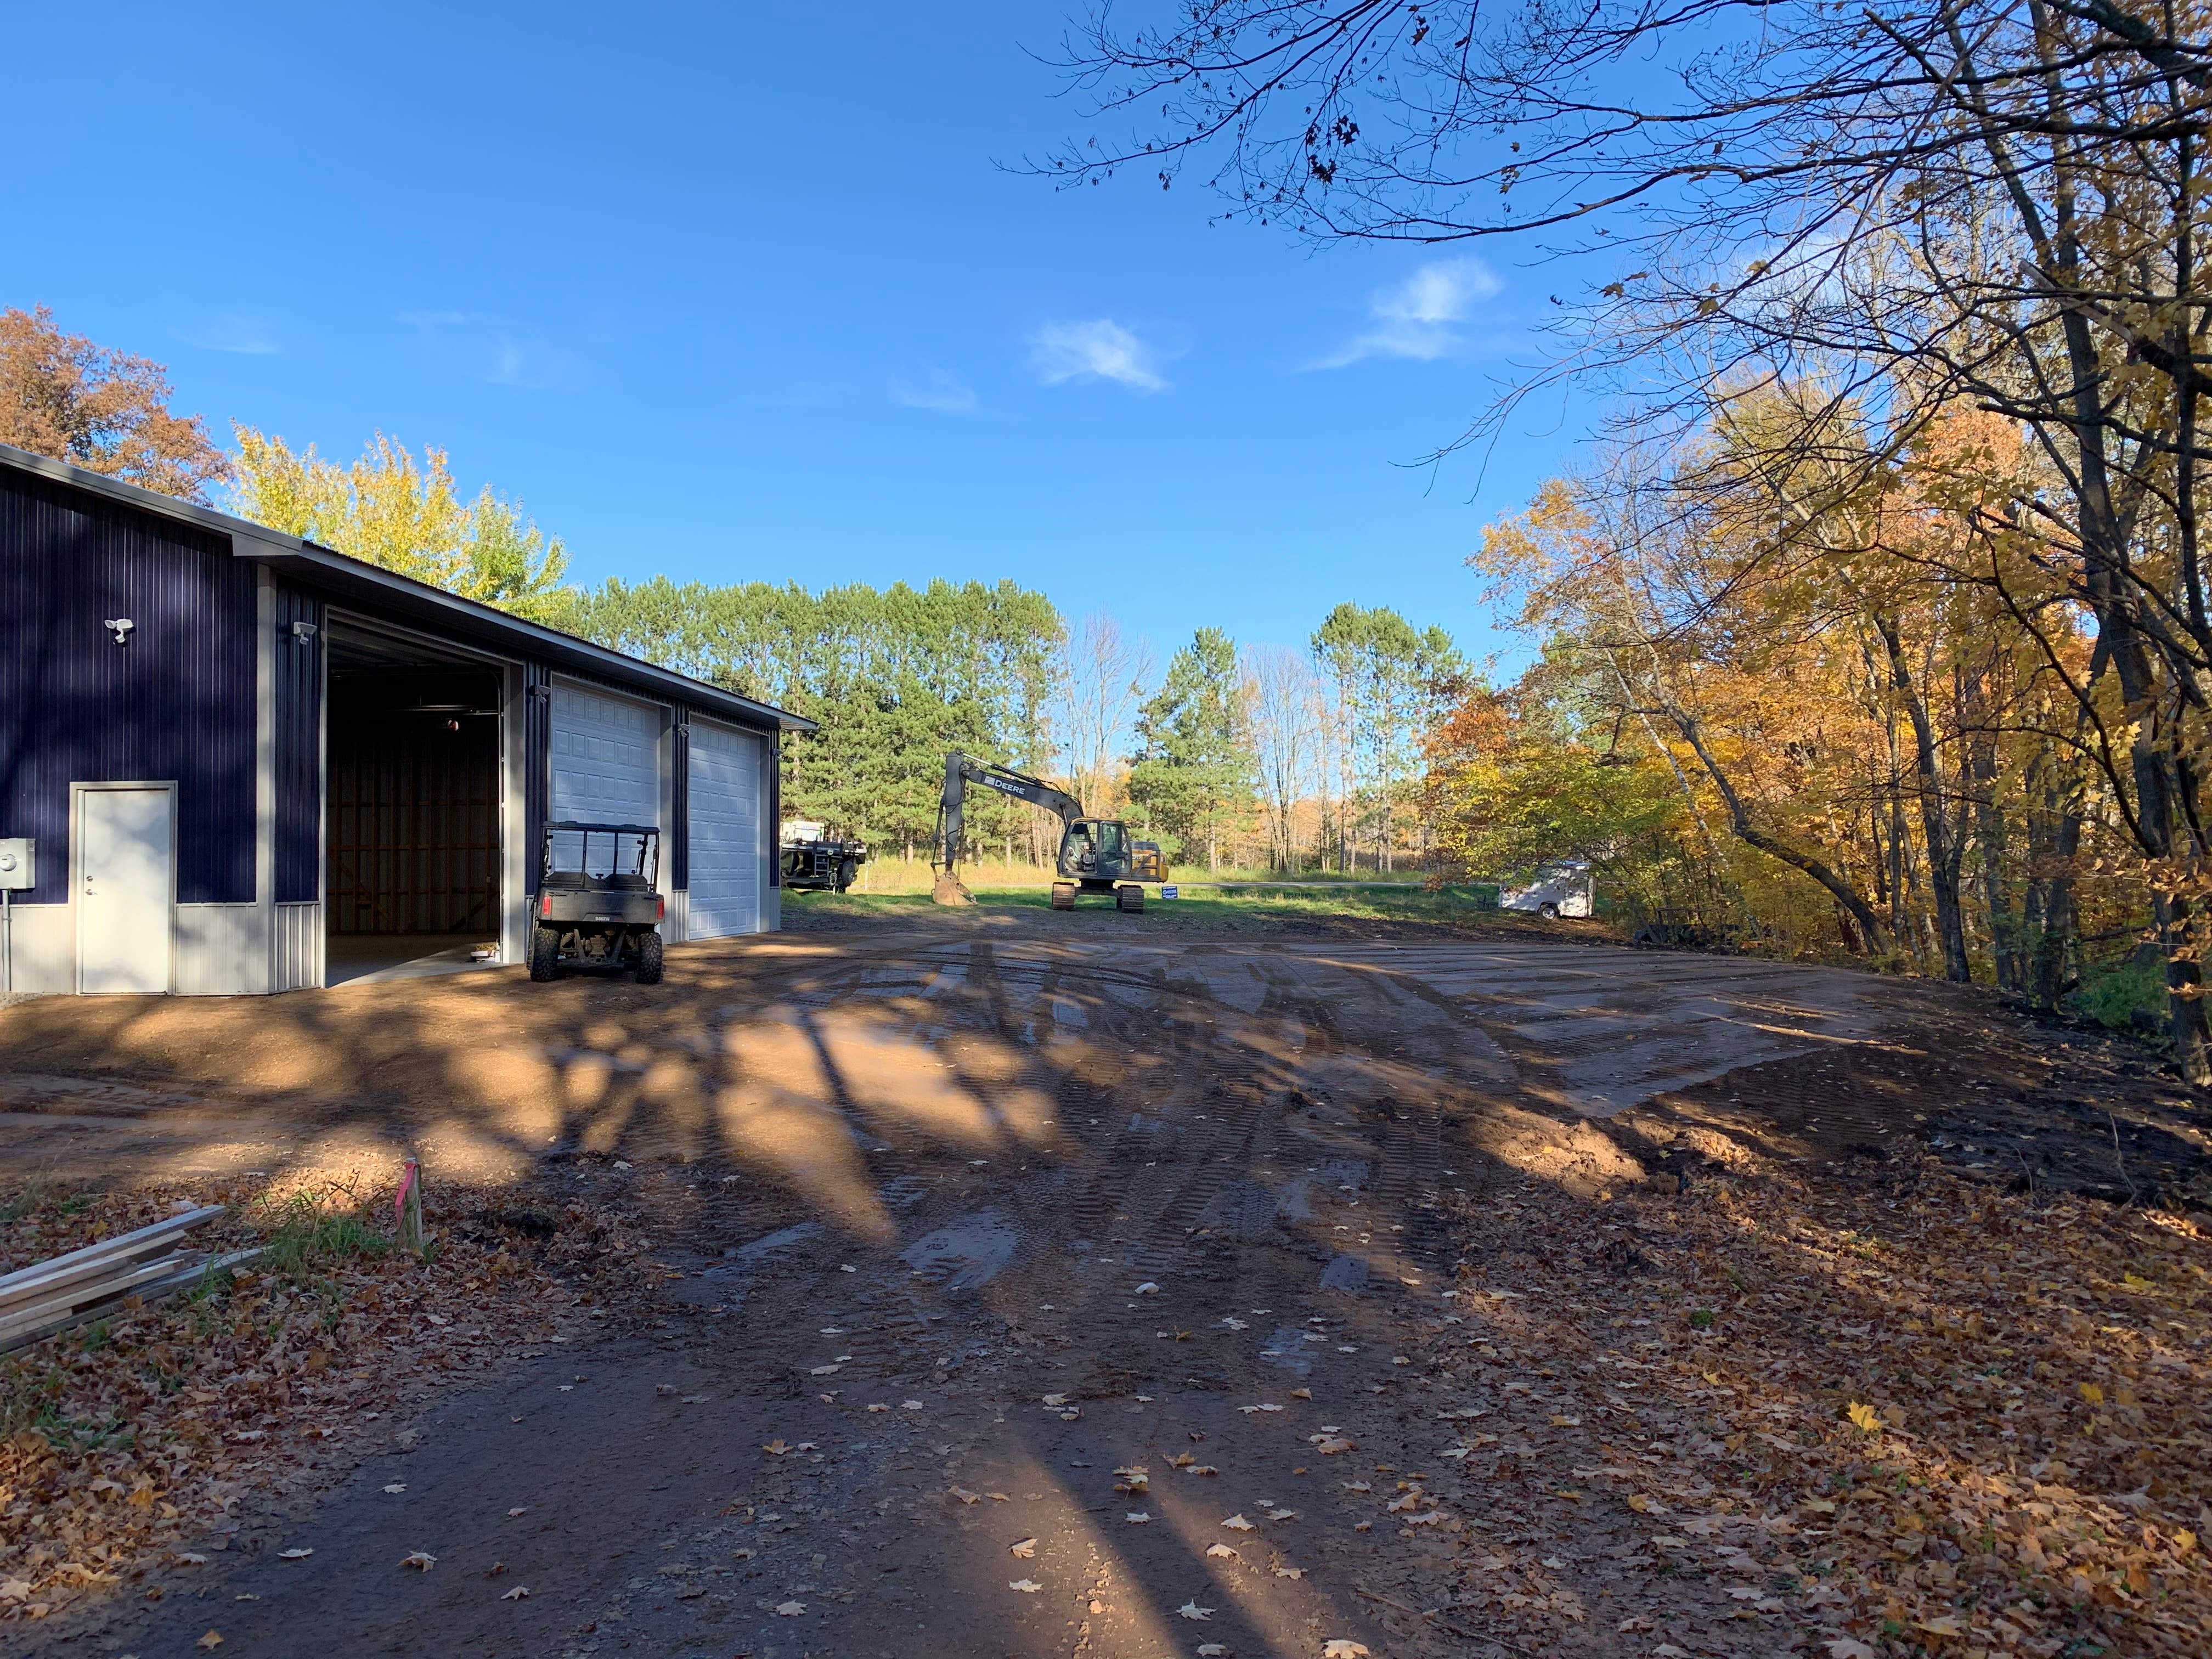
x: 889, y: 1338
x: 1226, y: 1155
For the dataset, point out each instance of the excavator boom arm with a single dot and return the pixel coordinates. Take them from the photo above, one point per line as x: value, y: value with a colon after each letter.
x: 960, y: 771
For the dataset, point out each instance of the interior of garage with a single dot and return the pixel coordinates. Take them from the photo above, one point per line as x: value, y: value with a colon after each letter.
x: 412, y: 848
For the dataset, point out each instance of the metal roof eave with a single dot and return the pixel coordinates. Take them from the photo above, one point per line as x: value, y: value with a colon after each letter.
x: 322, y: 568
x: 358, y: 578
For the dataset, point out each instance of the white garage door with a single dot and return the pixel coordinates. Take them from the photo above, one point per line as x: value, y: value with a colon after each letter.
x: 725, y: 833
x: 607, y: 760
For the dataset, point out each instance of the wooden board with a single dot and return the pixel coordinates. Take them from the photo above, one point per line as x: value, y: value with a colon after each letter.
x: 42, y: 1279
x: 179, y: 1277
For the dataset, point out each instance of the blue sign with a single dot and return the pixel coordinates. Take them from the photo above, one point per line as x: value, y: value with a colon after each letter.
x: 1168, y: 891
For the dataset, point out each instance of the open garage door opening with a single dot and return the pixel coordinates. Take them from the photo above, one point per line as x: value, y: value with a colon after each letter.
x: 413, y: 837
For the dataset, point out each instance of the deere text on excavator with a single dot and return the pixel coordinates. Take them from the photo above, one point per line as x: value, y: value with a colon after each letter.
x: 1097, y: 855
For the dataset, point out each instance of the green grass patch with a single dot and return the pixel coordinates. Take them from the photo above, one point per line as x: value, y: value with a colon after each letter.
x: 309, y: 1236
x: 1225, y: 907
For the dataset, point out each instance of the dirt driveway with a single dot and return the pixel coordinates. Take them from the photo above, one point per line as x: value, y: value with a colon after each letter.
x: 1026, y: 1293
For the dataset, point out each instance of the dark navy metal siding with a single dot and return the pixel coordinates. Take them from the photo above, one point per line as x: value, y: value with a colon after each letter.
x: 679, y: 828
x: 298, y: 695
x: 176, y: 702
x: 774, y: 739
x: 537, y: 768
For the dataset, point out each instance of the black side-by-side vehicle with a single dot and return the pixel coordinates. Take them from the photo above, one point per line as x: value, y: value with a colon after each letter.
x: 597, y: 902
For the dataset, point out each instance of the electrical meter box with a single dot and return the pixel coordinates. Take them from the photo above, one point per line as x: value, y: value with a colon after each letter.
x: 19, y: 862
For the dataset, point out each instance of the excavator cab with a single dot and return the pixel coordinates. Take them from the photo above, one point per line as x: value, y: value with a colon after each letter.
x: 1099, y: 855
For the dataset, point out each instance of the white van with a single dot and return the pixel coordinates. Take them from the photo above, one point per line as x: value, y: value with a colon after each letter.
x: 1566, y: 887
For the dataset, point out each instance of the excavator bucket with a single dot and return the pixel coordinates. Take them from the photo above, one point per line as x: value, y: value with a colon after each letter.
x: 949, y: 889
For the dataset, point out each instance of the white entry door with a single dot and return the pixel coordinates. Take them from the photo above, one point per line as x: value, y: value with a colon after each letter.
x: 724, y: 802
x: 125, y: 888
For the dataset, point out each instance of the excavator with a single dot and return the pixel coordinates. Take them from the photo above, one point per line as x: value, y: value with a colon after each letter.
x: 1097, y: 855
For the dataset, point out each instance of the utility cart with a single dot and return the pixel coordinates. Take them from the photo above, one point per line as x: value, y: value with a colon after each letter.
x: 598, y: 905
x: 813, y: 857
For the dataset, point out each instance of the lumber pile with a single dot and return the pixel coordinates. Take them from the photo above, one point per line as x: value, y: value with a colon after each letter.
x: 99, y: 1279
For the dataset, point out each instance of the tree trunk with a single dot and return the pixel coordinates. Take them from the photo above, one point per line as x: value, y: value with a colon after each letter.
x: 1989, y: 836
x: 1739, y: 824
x: 1935, y: 822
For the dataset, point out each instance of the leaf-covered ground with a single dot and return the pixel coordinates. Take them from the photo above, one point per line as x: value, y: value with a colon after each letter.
x: 1890, y: 1419
x: 123, y: 1442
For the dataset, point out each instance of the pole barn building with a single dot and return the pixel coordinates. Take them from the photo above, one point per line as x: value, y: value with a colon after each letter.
x: 251, y: 764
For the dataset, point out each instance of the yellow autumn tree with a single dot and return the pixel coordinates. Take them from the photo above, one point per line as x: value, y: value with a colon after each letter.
x: 389, y: 510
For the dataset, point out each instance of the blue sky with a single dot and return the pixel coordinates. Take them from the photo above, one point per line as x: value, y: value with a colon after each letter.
x: 746, y: 292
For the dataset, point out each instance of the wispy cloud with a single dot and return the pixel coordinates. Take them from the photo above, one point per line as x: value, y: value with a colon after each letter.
x: 248, y: 337
x: 1420, y: 318
x: 1099, y: 350
x: 534, y: 366
x: 489, y: 347
x: 947, y: 394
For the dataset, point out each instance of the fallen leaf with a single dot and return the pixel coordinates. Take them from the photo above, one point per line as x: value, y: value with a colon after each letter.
x: 522, y: 1510
x: 1237, y: 1523
x: 790, y: 1609
x: 1202, y: 1468
x: 1865, y: 1416
x: 213, y: 1640
x: 1331, y: 1447
x: 1025, y: 1548
x: 421, y: 1561
x: 1844, y: 1647
x: 1210, y: 1649
x: 1282, y: 1515
x: 2092, y: 1392
x: 879, y: 1408
x: 777, y: 1447
x: 293, y: 1555
x: 1026, y: 1586
x: 1290, y: 1572
x: 1342, y: 1647
x: 1056, y: 1400
x: 1181, y: 1460
x: 397, y: 1485
x: 520, y: 1592
x: 1137, y: 1517
x: 1639, y: 1503
x: 1301, y: 1394
x: 819, y: 1370
x: 964, y: 1495
x: 1192, y: 1610
x: 1148, y: 1289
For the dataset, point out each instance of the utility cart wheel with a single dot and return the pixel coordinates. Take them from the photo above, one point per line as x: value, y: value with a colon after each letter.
x: 544, y: 953
x: 846, y: 871
x: 1549, y: 912
x: 1129, y: 897
x: 649, y: 959
x: 1063, y: 895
